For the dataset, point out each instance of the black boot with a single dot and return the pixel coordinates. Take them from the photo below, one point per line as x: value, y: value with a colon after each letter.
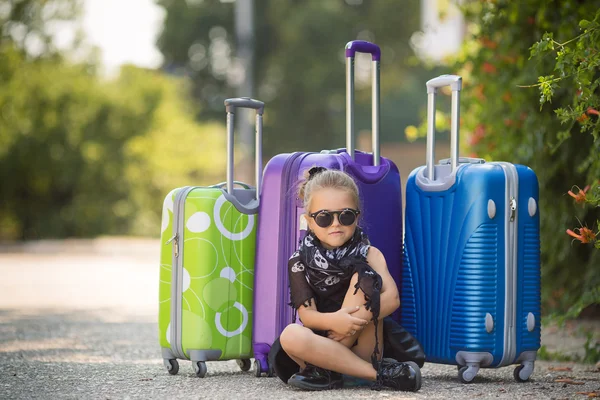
x: 397, y: 375
x: 315, y: 378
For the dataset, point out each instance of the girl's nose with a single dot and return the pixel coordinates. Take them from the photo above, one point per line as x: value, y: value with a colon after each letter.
x: 336, y: 220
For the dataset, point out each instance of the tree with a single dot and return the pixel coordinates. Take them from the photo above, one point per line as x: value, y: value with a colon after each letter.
x: 80, y: 156
x: 174, y: 151
x: 299, y: 64
x: 27, y: 24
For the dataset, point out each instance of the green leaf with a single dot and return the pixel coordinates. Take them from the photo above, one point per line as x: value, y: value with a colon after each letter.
x: 535, y: 50
x: 584, y: 23
x: 547, y: 85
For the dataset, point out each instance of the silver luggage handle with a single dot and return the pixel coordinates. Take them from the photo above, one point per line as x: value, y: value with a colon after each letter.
x: 455, y: 83
x: 362, y: 46
x: 244, y: 102
x: 230, y: 106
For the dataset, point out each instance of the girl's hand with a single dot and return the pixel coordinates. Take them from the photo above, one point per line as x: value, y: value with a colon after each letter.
x: 343, y: 323
x: 335, y: 336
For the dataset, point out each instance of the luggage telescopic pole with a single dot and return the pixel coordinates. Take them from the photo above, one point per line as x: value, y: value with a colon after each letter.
x: 375, y: 112
x: 430, y: 135
x: 350, y: 145
x: 230, y: 119
x: 258, y: 154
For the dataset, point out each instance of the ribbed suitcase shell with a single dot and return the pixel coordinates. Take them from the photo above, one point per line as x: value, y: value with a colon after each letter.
x: 455, y: 267
x: 279, y: 229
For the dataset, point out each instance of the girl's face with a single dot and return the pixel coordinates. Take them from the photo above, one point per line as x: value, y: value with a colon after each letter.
x: 331, y: 199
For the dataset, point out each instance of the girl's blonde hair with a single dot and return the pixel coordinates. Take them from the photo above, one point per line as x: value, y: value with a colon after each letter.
x: 317, y: 178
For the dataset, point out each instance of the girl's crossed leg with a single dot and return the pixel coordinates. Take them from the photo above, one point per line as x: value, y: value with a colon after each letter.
x: 345, y: 356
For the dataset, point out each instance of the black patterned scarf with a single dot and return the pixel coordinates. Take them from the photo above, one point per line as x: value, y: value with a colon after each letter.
x: 329, y: 273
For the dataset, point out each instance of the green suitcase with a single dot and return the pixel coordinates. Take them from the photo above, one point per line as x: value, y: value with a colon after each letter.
x: 208, y: 242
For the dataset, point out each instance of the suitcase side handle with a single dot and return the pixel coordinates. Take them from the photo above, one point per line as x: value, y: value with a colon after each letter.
x: 455, y: 83
x: 352, y: 48
x: 230, y: 106
x: 221, y: 184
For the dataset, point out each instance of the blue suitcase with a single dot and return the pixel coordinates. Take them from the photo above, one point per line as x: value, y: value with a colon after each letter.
x: 471, y: 278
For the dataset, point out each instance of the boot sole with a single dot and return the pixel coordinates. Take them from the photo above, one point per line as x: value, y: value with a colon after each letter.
x: 417, y: 375
x: 305, y: 386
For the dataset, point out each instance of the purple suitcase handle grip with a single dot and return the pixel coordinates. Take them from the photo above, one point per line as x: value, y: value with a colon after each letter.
x: 362, y: 167
x: 363, y: 46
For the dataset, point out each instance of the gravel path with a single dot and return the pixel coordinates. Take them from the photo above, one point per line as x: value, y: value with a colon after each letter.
x: 82, y: 325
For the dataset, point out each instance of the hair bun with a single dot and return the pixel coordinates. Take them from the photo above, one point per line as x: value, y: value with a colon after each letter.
x: 315, y: 171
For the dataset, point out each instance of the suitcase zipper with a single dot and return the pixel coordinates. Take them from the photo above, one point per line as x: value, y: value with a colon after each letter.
x: 513, y: 208
x: 175, y: 244
x: 177, y: 277
x: 511, y: 252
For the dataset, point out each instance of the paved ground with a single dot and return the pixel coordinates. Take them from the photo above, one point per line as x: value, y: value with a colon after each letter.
x: 78, y: 320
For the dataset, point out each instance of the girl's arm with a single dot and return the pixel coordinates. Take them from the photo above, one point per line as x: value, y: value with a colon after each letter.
x: 311, y: 318
x: 341, y: 321
x: 303, y: 299
x: 390, y: 301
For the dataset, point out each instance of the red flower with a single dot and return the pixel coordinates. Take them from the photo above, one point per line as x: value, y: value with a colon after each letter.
x: 580, y: 195
x: 490, y: 44
x: 477, y: 135
x: 488, y: 68
x: 591, y: 111
x: 585, y: 235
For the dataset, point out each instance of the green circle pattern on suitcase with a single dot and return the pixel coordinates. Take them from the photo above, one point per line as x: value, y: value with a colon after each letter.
x: 218, y: 274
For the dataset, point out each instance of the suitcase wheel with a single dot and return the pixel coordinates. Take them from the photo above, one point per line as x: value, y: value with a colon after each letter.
x: 173, y: 367
x: 467, y: 374
x: 244, y: 364
x: 520, y: 375
x: 200, y: 368
x: 257, y: 369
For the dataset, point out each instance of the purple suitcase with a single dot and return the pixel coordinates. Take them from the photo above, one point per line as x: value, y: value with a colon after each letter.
x: 281, y: 224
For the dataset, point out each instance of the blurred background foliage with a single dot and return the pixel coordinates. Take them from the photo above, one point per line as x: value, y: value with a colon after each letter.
x: 531, y: 76
x: 300, y: 65
x: 82, y: 155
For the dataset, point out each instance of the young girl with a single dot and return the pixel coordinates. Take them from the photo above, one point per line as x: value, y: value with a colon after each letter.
x: 341, y: 288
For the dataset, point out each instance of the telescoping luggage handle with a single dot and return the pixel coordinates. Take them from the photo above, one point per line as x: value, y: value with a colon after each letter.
x: 352, y: 48
x: 230, y: 106
x: 455, y: 83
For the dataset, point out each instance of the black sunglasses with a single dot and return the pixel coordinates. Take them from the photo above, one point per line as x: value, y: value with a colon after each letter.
x: 324, y: 218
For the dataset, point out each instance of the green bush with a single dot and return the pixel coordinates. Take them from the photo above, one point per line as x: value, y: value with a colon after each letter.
x: 80, y: 156
x: 531, y: 81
